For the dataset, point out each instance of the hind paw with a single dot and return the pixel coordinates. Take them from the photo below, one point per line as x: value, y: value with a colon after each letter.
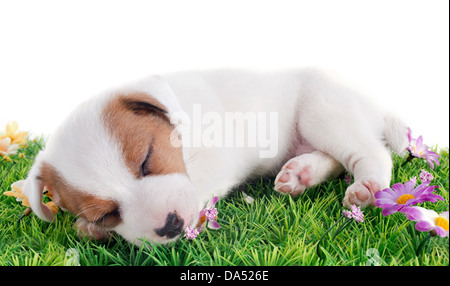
x: 293, y: 179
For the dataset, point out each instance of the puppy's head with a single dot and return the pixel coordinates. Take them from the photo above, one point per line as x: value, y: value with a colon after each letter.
x: 112, y: 164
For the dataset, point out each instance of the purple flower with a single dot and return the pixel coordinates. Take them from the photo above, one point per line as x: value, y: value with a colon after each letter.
x: 191, y: 233
x: 428, y: 220
x: 355, y: 214
x: 209, y: 214
x: 402, y: 196
x: 347, y: 214
x: 420, y: 150
x: 348, y: 179
x: 425, y: 176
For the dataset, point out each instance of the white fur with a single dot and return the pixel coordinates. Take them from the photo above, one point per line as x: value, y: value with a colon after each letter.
x: 314, y: 113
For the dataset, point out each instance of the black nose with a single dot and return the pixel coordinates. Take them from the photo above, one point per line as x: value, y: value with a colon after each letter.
x: 173, y: 226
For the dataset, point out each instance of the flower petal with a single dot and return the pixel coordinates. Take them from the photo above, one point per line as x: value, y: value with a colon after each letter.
x: 214, y: 200
x: 386, y: 193
x: 399, y: 189
x: 440, y: 231
x: 11, y: 128
x: 408, y: 187
x: 4, y: 144
x: 414, y: 213
x: 12, y: 149
x: 419, y: 143
x: 53, y: 207
x: 20, y: 138
x: 213, y: 225
x: 424, y: 226
x: 444, y: 214
x: 425, y: 214
x: 409, y: 134
x: 389, y: 210
x: 248, y: 198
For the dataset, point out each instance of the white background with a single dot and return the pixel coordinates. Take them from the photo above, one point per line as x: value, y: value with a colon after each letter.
x: 56, y: 54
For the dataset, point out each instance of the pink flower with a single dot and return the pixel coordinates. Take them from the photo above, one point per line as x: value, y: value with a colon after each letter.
x: 348, y: 179
x: 355, y: 214
x: 191, y: 233
x: 420, y: 150
x: 207, y: 216
x: 428, y: 220
x: 210, y: 213
x: 402, y: 196
x: 425, y: 176
x: 347, y: 214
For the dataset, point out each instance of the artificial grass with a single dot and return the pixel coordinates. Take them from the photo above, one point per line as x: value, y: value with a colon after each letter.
x: 274, y: 230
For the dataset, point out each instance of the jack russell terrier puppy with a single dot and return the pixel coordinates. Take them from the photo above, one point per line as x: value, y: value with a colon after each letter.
x: 142, y: 160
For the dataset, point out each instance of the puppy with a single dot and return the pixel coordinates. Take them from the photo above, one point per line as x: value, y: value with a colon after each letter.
x: 142, y: 160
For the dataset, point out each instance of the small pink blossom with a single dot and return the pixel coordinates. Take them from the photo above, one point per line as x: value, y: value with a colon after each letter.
x: 207, y: 217
x: 425, y: 176
x: 191, y: 233
x: 347, y: 214
x: 355, y: 214
x: 348, y: 179
x: 210, y: 213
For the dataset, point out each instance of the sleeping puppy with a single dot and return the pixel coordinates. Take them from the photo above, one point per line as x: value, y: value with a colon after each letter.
x: 142, y: 160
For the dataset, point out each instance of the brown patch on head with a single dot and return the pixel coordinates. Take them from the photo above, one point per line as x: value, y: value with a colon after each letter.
x: 139, y: 122
x: 103, y: 212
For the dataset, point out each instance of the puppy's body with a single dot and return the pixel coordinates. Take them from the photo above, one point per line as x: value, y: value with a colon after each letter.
x: 215, y: 170
x: 116, y: 147
x: 314, y: 114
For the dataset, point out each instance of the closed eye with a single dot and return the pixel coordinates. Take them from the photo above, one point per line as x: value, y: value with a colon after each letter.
x: 145, y: 168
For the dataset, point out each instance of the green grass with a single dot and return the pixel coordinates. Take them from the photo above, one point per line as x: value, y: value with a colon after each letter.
x: 273, y: 230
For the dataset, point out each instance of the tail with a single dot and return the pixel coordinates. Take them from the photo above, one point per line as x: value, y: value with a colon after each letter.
x: 396, y: 134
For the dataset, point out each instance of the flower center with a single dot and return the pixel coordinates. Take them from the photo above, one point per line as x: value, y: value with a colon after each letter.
x: 404, y: 198
x: 442, y: 222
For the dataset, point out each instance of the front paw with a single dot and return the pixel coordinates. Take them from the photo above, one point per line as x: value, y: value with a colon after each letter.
x: 361, y: 193
x: 91, y: 230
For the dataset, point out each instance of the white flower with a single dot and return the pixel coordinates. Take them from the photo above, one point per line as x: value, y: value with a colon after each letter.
x: 428, y: 220
x: 248, y: 199
x: 6, y: 148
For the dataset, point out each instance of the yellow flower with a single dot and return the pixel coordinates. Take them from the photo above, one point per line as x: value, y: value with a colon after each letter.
x: 48, y: 193
x: 11, y: 131
x: 6, y: 148
x: 17, y: 192
x: 53, y: 207
x: 20, y: 196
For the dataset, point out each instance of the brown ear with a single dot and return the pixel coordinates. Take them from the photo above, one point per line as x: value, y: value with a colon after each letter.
x: 33, y: 189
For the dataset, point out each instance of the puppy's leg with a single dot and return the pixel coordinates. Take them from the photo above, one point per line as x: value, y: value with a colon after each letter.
x: 305, y: 171
x: 90, y: 230
x: 372, y: 172
x: 359, y: 152
x: 338, y: 122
